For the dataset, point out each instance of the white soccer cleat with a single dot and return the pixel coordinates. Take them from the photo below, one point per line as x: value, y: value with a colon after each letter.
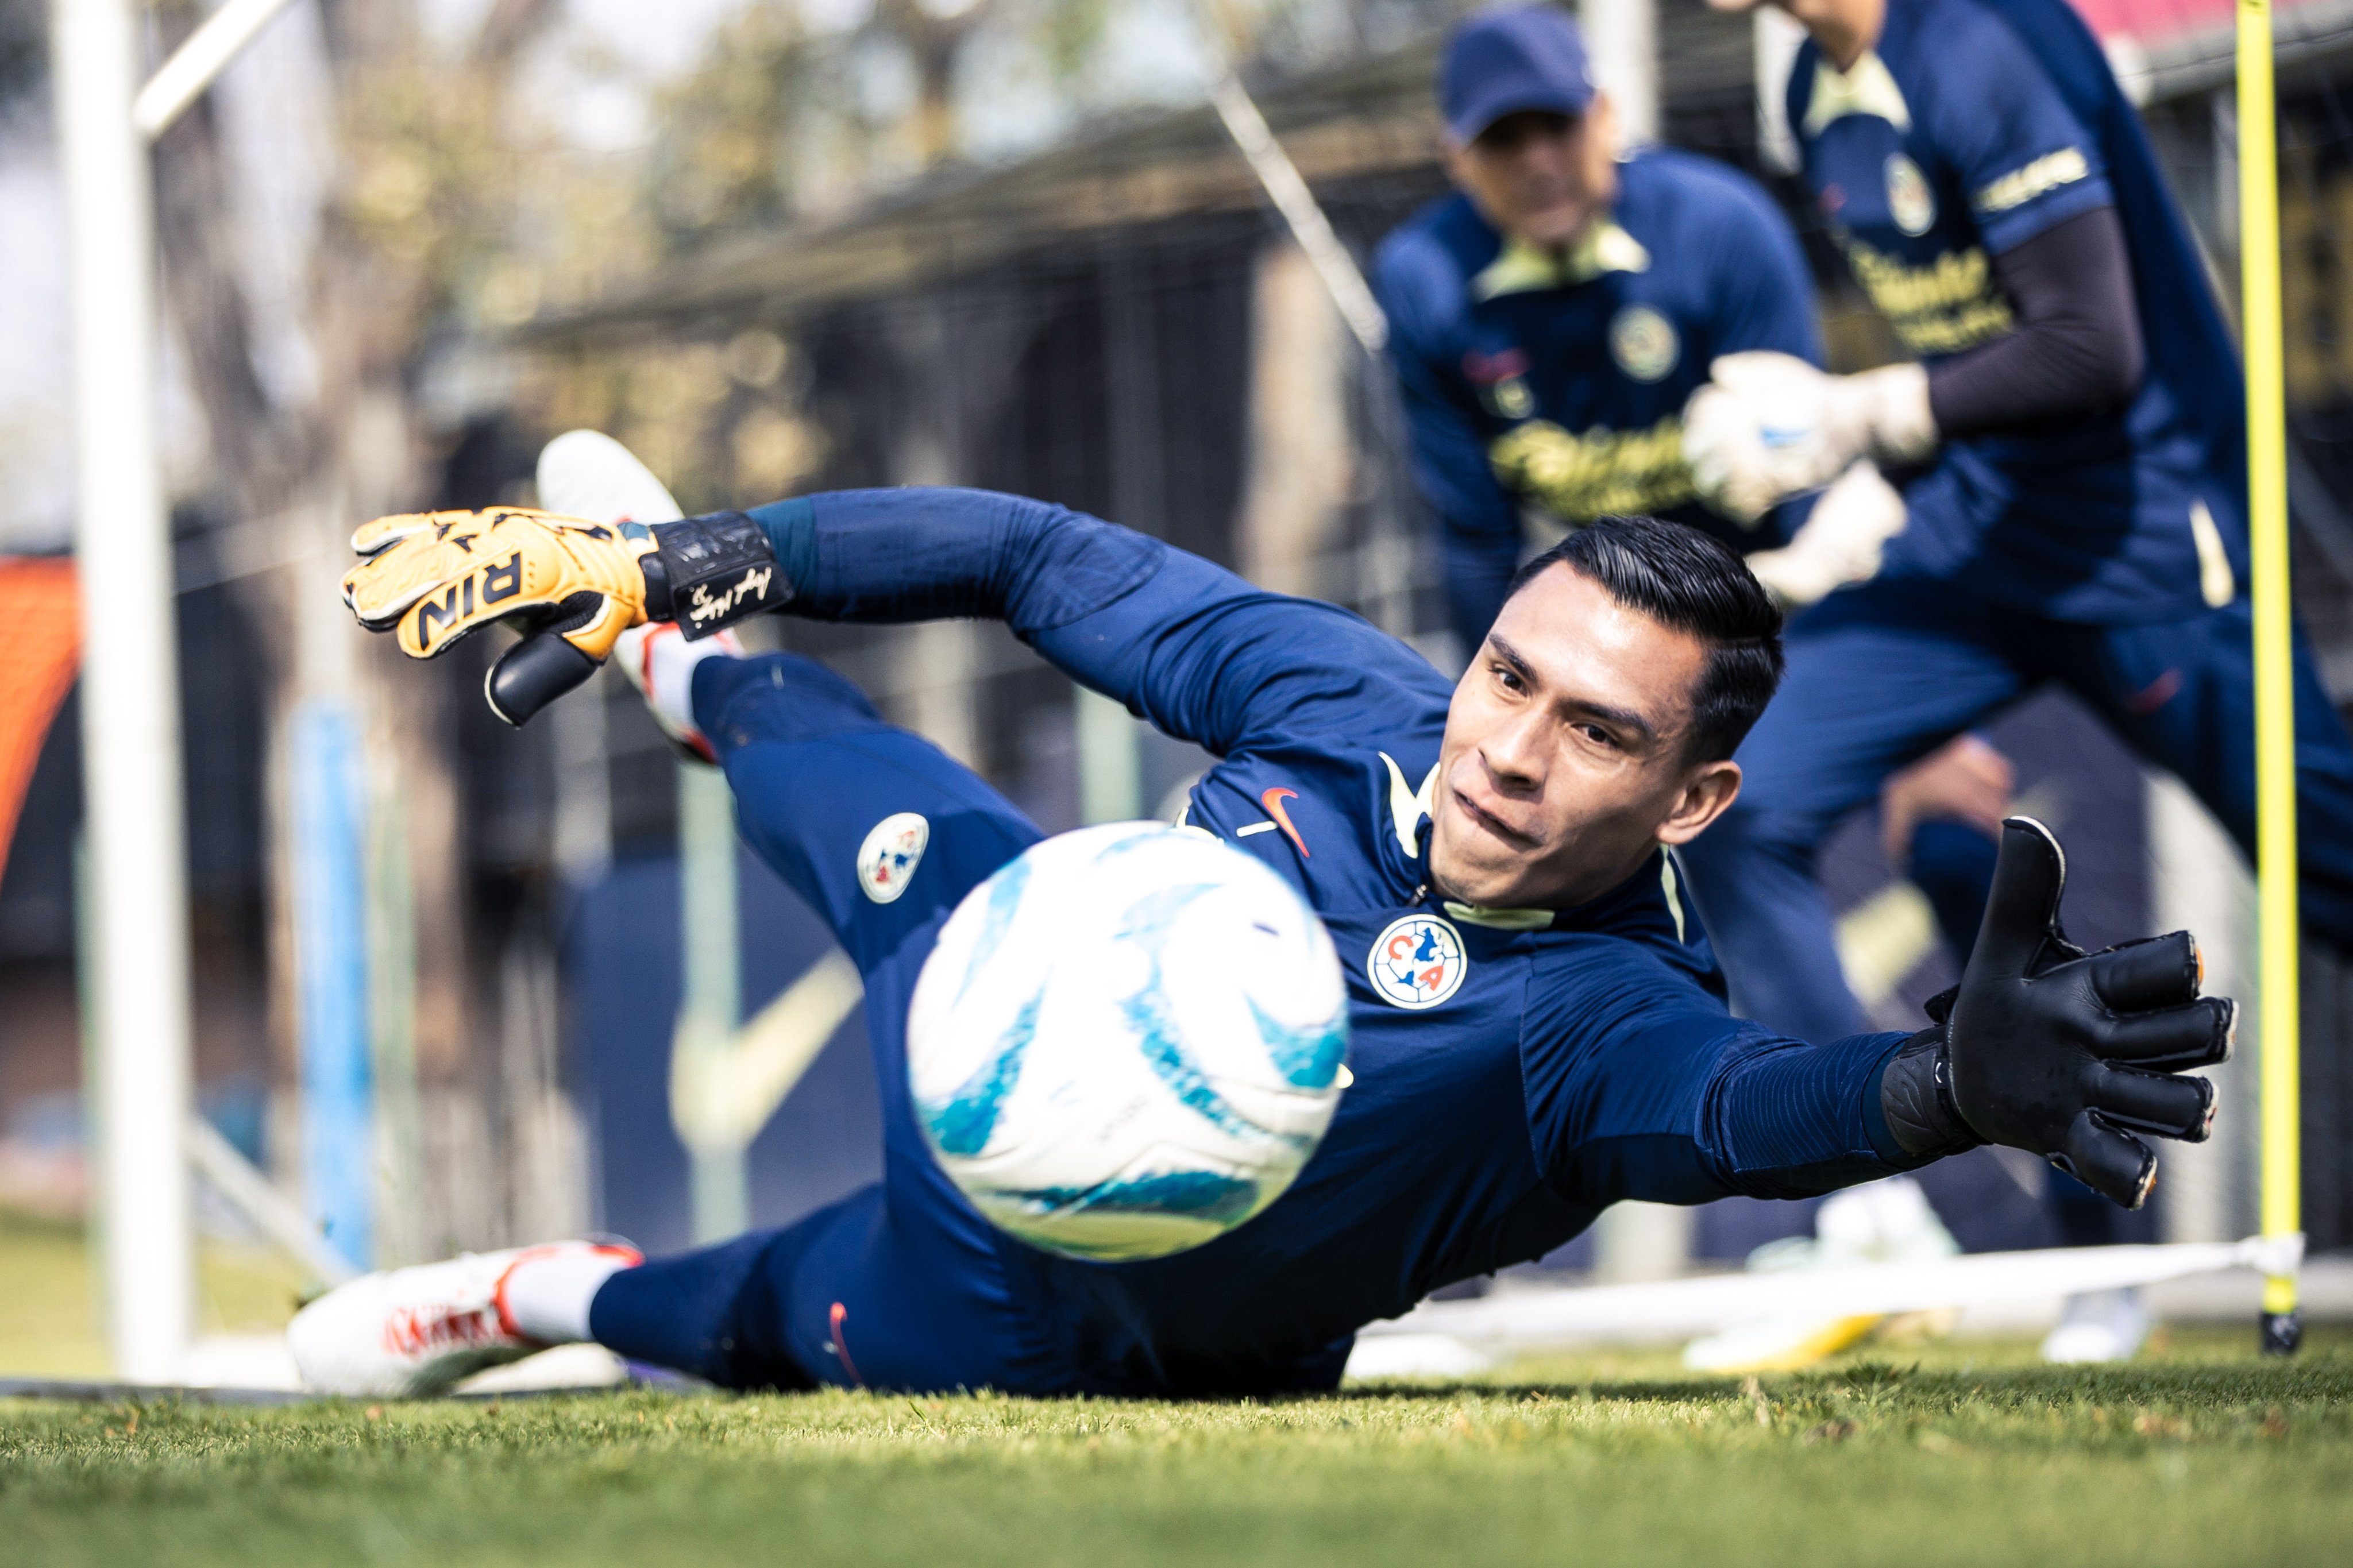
x: 587, y: 474
x: 2098, y: 1326
x: 410, y: 1334
x: 661, y: 663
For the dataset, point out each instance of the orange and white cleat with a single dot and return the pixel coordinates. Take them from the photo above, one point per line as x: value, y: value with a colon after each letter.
x: 661, y: 663
x: 411, y: 1333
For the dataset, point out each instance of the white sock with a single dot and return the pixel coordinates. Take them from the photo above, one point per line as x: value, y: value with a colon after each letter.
x: 548, y: 1297
x: 671, y: 686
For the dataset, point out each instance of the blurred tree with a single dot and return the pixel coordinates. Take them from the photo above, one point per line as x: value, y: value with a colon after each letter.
x: 783, y: 117
x: 788, y: 118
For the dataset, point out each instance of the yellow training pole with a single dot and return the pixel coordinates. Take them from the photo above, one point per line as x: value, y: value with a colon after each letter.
x: 2259, y: 333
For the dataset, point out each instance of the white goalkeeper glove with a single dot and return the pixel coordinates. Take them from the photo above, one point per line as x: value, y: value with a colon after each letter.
x: 1767, y: 425
x: 1840, y: 543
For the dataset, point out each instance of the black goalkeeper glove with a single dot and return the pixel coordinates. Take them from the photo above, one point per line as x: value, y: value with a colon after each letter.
x: 2065, y: 1053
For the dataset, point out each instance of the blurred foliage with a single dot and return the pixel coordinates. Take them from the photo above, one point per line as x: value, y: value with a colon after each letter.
x: 461, y: 208
x: 783, y: 121
x: 722, y: 423
x: 722, y: 156
x: 787, y: 120
x: 445, y: 179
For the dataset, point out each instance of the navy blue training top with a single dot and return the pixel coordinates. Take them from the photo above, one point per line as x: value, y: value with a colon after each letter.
x: 1562, y: 384
x: 1974, y: 126
x: 1515, y: 1070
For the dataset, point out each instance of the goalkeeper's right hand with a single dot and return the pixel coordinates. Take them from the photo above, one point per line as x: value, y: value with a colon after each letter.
x: 571, y: 586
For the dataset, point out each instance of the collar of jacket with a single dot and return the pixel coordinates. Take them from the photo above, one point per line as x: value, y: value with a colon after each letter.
x: 1670, y: 887
x: 1500, y: 919
x: 1869, y: 87
x: 1522, y: 269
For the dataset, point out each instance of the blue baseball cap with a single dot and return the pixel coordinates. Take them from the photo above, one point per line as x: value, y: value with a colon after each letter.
x: 1508, y: 63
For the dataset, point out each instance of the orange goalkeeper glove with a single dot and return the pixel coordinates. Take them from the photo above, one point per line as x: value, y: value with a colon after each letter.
x: 572, y: 587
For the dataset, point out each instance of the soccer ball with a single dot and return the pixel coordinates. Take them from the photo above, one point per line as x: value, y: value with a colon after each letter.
x: 1127, y: 1041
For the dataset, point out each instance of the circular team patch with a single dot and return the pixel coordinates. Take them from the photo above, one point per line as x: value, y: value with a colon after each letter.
x: 1418, y: 961
x: 1910, y: 202
x: 887, y: 860
x: 1643, y: 343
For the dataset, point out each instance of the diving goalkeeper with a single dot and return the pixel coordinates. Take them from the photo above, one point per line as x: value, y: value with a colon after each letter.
x: 1567, y: 1047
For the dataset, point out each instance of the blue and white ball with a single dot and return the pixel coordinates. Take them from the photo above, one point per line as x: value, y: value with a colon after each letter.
x: 1127, y: 1041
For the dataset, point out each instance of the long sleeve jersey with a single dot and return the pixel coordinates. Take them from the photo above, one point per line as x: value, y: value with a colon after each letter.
x: 1515, y: 1070
x: 1970, y: 129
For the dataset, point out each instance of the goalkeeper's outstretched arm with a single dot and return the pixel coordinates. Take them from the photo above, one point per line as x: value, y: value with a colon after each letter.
x: 1639, y: 1091
x: 1203, y: 654
x: 1200, y: 652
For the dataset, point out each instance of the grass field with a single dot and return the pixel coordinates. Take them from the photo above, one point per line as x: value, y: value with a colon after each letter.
x: 1972, y: 1454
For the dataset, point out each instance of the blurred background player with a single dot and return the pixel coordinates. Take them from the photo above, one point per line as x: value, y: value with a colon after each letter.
x: 2078, y: 409
x: 1548, y: 321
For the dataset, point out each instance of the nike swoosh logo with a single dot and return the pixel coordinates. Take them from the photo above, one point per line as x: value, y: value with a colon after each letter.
x: 1272, y: 800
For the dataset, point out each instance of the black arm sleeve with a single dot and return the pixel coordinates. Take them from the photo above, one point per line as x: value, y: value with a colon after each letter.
x: 2077, y: 349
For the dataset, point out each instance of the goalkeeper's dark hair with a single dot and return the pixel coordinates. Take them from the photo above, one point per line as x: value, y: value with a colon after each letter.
x: 1681, y: 578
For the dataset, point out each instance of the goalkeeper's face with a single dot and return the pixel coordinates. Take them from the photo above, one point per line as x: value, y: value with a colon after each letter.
x: 1567, y: 750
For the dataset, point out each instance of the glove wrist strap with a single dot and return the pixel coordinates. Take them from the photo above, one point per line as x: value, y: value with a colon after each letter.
x: 1915, y: 1095
x: 706, y: 573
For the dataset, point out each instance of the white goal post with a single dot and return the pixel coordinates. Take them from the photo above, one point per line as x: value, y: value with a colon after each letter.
x: 139, y: 1060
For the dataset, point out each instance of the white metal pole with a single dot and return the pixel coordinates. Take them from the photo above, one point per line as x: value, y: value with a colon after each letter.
x: 1111, y: 763
x: 1774, y: 36
x: 712, y: 1003
x: 207, y: 52
x: 1284, y: 184
x: 129, y: 703
x: 1621, y: 40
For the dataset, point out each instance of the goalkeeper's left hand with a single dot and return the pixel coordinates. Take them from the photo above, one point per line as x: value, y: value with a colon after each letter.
x: 1841, y: 542
x: 2065, y: 1053
x: 571, y: 586
x: 1769, y: 426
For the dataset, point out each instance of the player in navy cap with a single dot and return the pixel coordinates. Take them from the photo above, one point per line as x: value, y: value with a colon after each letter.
x: 2073, y: 419
x: 1548, y: 321
x: 1518, y: 61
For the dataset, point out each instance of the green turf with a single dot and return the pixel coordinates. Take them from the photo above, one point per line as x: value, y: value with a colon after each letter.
x: 2200, y: 1455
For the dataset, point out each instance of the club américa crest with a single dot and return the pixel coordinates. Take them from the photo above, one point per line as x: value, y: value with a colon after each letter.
x: 1417, y: 962
x: 1911, y: 200
x: 893, y: 848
